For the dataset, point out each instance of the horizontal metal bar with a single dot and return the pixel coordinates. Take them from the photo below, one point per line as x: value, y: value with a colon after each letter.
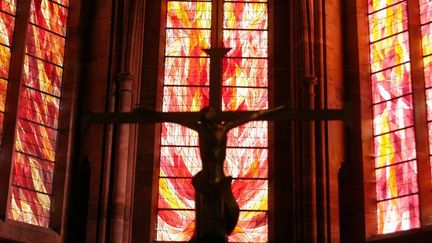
x: 147, y: 116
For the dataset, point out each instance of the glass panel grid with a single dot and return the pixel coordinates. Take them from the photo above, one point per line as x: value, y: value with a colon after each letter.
x: 186, y: 88
x: 7, y: 26
x: 426, y: 32
x: 425, y: 11
x: 8, y: 6
x: 393, y: 119
x: 245, y: 87
x: 36, y: 134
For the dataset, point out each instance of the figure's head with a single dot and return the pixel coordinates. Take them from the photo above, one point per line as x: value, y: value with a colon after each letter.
x: 208, y: 113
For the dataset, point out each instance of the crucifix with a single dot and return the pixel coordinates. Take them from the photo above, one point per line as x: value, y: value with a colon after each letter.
x: 215, y: 206
x: 216, y: 210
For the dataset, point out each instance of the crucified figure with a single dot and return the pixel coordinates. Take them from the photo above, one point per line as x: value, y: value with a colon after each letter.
x: 216, y: 209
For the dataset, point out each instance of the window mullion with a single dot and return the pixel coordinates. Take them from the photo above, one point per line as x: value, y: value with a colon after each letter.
x: 12, y: 100
x: 420, y: 114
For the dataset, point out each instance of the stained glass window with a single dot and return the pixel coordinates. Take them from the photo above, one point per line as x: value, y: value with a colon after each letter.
x: 186, y: 88
x: 7, y: 24
x: 33, y: 160
x: 426, y: 33
x: 393, y: 105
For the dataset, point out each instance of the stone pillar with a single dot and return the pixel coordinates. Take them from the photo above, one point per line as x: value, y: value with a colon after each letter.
x: 121, y: 207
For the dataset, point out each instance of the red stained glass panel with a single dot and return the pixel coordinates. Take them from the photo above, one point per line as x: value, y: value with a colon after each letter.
x: 388, y: 21
x: 176, y: 193
x: 242, y: 99
x: 242, y: 15
x: 252, y: 134
x: 187, y: 71
x: 247, y: 163
x: 45, y: 45
x: 429, y: 104
x: 398, y: 214
x: 29, y: 206
x: 375, y: 5
x: 4, y: 61
x: 427, y: 39
x: 178, y: 161
x: 391, y: 83
x: 395, y: 147
x: 36, y: 134
x: 245, y: 43
x: 32, y: 173
x: 8, y: 6
x: 7, y: 25
x: 427, y: 62
x: 252, y: 227
x: 43, y: 76
x: 184, y: 14
x: 185, y: 98
x: 49, y: 15
x: 187, y: 42
x: 425, y: 11
x: 175, y: 225
x: 396, y: 180
x: 392, y: 115
x: 174, y: 134
x: 245, y: 72
x: 389, y: 52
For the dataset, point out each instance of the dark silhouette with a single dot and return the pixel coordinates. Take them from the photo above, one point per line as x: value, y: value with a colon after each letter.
x: 216, y: 209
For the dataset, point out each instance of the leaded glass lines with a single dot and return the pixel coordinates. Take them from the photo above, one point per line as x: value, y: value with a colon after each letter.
x: 393, y: 117
x: 186, y: 88
x: 38, y: 114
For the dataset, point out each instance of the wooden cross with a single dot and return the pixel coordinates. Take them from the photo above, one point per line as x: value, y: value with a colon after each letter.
x: 216, y: 209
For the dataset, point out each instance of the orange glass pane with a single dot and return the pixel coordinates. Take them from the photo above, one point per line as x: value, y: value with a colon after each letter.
x: 178, y: 161
x: 186, y: 42
x: 375, y: 5
x: 186, y: 71
x: 245, y: 43
x: 174, y: 134
x: 182, y: 98
x: 427, y: 61
x: 175, y: 225
x: 393, y: 115
x: 29, y: 207
x: 243, y: 15
x: 49, y: 15
x: 242, y: 99
x: 252, y: 227
x: 395, y: 147
x: 427, y: 39
x: 389, y: 52
x: 186, y: 88
x: 391, y: 83
x: 247, y: 163
x: 7, y: 25
x: 8, y: 6
x: 45, y: 45
x: 184, y: 14
x: 425, y: 11
x: 388, y: 21
x: 398, y: 214
x: 396, y: 180
x: 38, y: 114
x: 251, y: 134
x: 4, y: 61
x: 245, y: 72
x: 176, y: 193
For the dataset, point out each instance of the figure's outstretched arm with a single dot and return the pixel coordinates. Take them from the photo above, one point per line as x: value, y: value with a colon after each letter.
x: 186, y: 119
x: 258, y: 115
